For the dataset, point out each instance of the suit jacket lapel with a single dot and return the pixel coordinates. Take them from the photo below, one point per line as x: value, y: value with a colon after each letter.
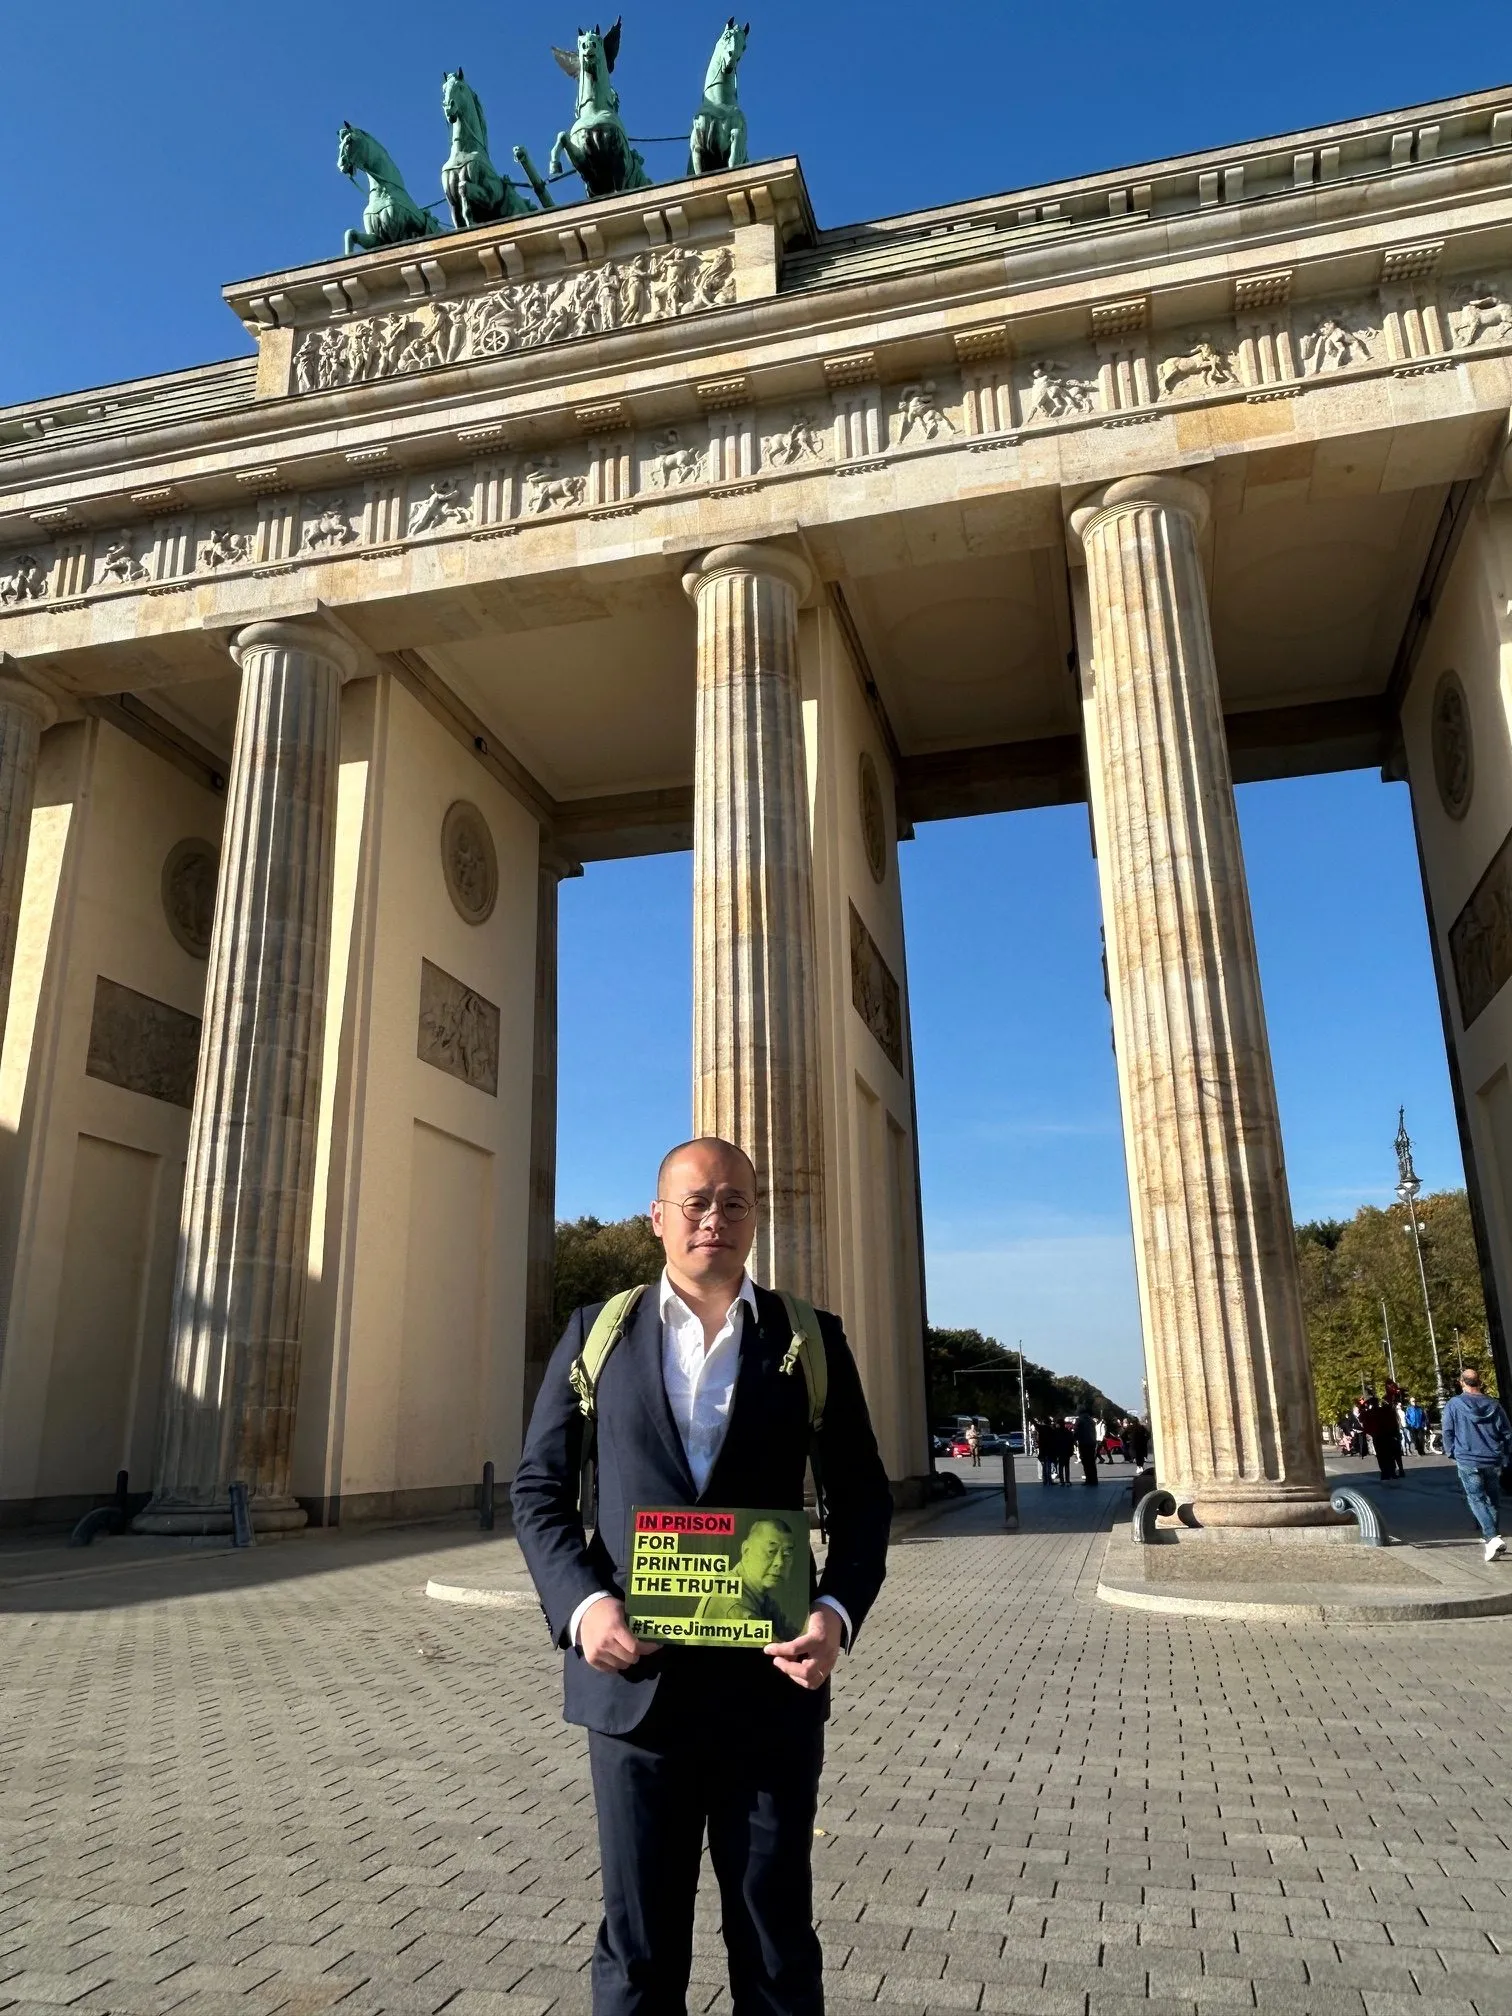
x: 643, y: 1344
x: 760, y: 1344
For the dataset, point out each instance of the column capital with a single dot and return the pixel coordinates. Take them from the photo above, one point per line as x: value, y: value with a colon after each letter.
x: 554, y: 860
x: 1129, y: 493
x: 316, y: 639
x: 779, y: 563
x: 18, y: 692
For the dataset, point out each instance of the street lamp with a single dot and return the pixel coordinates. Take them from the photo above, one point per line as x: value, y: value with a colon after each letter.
x: 1408, y: 1186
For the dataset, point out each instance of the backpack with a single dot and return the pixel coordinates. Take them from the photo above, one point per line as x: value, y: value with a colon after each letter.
x: 805, y: 1353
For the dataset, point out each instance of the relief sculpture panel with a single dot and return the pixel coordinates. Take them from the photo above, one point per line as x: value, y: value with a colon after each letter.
x: 459, y: 1030
x: 1480, y: 938
x: 143, y: 1045
x: 520, y: 315
x: 875, y: 995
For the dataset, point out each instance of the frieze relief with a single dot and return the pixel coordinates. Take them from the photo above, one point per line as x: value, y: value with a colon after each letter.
x: 594, y: 300
x: 23, y: 579
x: 801, y: 440
x: 1481, y: 313
x: 1277, y: 349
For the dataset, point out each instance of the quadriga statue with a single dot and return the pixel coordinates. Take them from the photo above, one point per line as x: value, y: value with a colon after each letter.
x: 718, y: 139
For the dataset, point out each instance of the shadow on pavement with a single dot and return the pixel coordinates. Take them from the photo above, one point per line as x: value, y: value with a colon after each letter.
x: 116, y: 1573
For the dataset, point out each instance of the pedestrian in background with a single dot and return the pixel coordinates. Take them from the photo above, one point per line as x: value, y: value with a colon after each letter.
x: 1415, y: 1420
x: 1478, y: 1440
x: 1379, y: 1418
x: 1086, y: 1445
x: 974, y: 1444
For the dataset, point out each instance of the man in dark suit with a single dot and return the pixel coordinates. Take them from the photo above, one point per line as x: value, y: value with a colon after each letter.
x: 695, y: 1407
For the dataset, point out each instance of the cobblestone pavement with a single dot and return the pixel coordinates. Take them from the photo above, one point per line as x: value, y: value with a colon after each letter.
x: 286, y: 1782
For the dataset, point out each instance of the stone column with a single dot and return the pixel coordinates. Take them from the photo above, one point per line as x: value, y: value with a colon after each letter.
x: 24, y: 713
x: 244, y: 1239
x: 1231, y: 1387
x: 755, y: 981
x: 540, y: 1251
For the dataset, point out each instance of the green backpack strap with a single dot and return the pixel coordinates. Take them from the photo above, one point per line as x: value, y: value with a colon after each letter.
x: 806, y: 1353
x: 610, y: 1324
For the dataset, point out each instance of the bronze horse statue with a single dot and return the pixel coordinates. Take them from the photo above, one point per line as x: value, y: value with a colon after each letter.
x: 596, y: 144
x: 718, y: 139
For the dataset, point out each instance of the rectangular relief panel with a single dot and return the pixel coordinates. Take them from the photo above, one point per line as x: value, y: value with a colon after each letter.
x: 143, y: 1045
x: 459, y: 1030
x: 874, y: 992
x: 1480, y: 938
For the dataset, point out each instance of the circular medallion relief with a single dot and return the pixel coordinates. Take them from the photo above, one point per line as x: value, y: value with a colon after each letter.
x: 1453, y: 756
x: 469, y: 863
x: 188, y: 887
x: 873, y: 819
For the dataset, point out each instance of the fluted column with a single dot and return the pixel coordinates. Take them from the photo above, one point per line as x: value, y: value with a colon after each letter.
x: 24, y: 713
x: 540, y: 1251
x: 755, y: 983
x: 238, y: 1303
x: 1236, y: 1421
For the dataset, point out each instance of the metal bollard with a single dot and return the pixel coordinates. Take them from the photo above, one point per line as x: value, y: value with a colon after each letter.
x: 1010, y: 1490
x: 486, y: 1502
x: 242, y: 1534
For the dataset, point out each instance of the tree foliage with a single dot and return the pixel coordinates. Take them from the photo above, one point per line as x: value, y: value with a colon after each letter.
x: 594, y: 1260
x: 994, y: 1391
x: 1350, y: 1268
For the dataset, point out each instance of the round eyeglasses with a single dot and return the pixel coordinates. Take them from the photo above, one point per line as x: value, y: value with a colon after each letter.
x: 735, y: 1210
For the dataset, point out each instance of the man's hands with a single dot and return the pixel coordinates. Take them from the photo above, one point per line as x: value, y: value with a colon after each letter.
x: 604, y: 1637
x: 605, y: 1641
x: 809, y: 1660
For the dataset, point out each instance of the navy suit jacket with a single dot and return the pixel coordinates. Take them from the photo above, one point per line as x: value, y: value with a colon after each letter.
x: 641, y: 1461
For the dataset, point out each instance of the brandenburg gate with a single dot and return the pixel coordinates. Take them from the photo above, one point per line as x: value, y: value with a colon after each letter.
x: 672, y: 520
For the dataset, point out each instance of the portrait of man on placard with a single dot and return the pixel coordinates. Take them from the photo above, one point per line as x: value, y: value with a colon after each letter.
x: 763, y: 1564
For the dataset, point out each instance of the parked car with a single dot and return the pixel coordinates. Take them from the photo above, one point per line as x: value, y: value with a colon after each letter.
x: 961, y: 1448
x: 1015, y: 1440
x: 941, y: 1444
x: 993, y: 1445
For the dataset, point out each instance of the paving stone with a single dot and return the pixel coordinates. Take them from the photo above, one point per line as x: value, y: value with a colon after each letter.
x: 288, y: 1785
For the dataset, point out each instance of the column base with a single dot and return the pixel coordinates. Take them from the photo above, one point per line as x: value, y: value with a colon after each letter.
x: 1263, y: 1505
x: 168, y: 1517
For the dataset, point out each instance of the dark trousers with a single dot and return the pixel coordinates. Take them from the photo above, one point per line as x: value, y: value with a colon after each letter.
x: 1088, y: 1454
x: 695, y: 1765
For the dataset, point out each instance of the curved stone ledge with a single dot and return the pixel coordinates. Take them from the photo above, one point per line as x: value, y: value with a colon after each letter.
x: 1324, y: 1605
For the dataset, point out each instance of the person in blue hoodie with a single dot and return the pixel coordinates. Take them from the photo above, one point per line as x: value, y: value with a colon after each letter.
x: 1478, y: 1439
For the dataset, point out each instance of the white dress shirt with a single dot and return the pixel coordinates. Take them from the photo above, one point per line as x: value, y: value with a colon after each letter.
x: 700, y: 1385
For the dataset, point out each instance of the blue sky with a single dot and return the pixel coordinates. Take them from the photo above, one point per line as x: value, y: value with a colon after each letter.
x: 146, y: 161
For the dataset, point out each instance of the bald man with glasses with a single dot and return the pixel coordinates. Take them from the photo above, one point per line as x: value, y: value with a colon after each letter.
x: 698, y: 1405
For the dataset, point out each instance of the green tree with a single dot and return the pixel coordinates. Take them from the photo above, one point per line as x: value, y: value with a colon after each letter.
x: 594, y: 1260
x: 972, y: 1374
x: 1350, y: 1269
